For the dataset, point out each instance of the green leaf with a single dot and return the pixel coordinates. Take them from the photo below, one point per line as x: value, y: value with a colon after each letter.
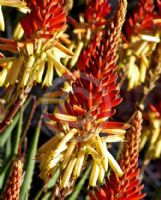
x: 47, y: 196
x: 4, y: 172
x: 30, y: 164
x: 53, y: 180
x: 8, y: 148
x: 17, y: 134
x: 7, y: 133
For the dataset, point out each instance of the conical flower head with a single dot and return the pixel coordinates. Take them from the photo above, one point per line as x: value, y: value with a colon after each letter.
x: 97, y: 12
x: 12, y: 189
x: 46, y: 18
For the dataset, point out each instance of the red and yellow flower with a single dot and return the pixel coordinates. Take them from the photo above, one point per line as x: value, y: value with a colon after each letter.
x: 81, y: 120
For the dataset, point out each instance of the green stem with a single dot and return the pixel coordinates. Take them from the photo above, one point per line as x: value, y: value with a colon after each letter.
x: 78, y: 188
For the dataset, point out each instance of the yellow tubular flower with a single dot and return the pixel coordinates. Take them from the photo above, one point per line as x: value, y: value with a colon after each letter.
x: 18, y: 32
x: 13, y: 3
x: 137, y: 58
x: 94, y: 174
x: 151, y: 137
x: 140, y: 42
x: 34, y: 58
x: 67, y: 154
x: 3, y: 75
x: 2, y: 25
